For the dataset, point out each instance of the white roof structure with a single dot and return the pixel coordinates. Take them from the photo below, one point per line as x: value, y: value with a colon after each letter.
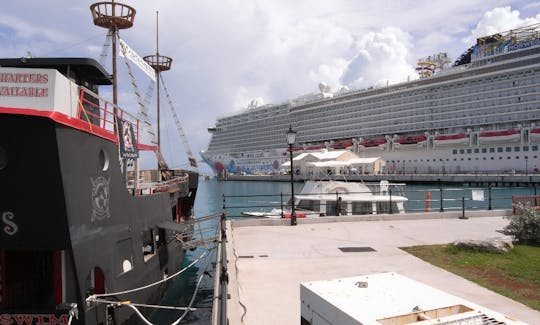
x: 368, y: 160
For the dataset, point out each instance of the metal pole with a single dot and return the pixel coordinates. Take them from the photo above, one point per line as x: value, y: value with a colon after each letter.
x: 390, y: 194
x: 224, y: 208
x: 463, y: 208
x: 441, y: 209
x: 489, y: 197
x: 281, y: 202
x: 293, y: 214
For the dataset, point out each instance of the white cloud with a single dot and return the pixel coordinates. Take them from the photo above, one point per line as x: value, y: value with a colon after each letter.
x: 499, y: 20
x: 382, y: 57
x: 228, y: 52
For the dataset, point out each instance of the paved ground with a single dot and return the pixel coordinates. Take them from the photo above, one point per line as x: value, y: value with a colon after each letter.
x: 268, y: 263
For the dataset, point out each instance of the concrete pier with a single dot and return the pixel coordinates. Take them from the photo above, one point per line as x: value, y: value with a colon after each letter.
x: 268, y: 259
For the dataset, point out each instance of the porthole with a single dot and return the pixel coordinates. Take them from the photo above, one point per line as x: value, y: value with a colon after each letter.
x: 3, y: 158
x: 103, y: 160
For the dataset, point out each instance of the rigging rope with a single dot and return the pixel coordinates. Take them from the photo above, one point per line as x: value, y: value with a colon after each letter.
x: 92, y: 297
x: 192, y: 160
x: 143, y: 112
x: 105, y: 49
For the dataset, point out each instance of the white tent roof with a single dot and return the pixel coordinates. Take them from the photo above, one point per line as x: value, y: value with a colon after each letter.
x: 330, y: 163
x: 367, y: 160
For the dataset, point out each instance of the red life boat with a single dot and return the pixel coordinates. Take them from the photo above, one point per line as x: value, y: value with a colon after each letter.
x: 500, y: 135
x: 451, y: 139
x: 411, y: 139
x: 373, y: 142
x: 342, y: 144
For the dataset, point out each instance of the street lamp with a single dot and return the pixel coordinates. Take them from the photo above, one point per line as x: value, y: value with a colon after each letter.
x: 291, y: 139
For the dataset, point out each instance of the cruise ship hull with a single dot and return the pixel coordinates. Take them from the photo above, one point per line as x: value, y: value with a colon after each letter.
x: 480, y: 115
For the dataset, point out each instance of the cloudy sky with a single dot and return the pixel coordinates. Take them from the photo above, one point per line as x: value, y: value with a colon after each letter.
x: 228, y: 52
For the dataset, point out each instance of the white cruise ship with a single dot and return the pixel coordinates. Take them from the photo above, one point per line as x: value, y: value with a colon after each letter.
x: 482, y: 114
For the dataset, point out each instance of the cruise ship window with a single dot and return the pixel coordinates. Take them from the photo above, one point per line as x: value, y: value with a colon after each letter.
x: 455, y: 159
x: 476, y: 150
x: 461, y: 151
x: 491, y: 149
x: 484, y: 158
x: 499, y: 149
x: 461, y: 159
x: 492, y: 158
x: 516, y: 149
x: 534, y: 148
x: 500, y: 158
x: 508, y: 149
x: 484, y: 150
x: 469, y: 150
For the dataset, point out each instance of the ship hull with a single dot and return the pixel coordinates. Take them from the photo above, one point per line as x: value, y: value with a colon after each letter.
x: 66, y: 209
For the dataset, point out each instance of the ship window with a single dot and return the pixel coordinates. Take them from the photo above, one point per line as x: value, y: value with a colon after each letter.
x: 461, y: 151
x: 508, y: 157
x: 148, y: 245
x: 124, y: 260
x: 469, y: 150
x: 454, y: 152
x: 484, y: 158
x: 534, y: 148
x: 362, y: 208
x: 476, y: 150
x: 499, y: 149
x: 310, y: 205
x: 516, y: 149
x: 491, y: 149
x: 484, y: 150
x: 331, y: 208
x: 492, y: 158
x: 455, y: 159
x: 508, y: 149
x: 525, y: 148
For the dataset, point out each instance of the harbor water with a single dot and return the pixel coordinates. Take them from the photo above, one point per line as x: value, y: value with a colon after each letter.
x: 234, y: 196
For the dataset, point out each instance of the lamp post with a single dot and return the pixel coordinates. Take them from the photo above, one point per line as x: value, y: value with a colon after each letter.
x: 291, y: 139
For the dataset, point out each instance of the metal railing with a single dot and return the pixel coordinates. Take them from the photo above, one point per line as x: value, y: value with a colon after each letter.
x: 436, y: 199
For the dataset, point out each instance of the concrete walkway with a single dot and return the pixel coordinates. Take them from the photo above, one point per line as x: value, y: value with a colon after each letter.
x: 267, y: 263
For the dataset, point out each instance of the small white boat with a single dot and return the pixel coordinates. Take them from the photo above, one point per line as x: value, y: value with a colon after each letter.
x: 320, y: 198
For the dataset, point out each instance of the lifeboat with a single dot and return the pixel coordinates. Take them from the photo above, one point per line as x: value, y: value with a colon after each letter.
x: 451, y: 139
x: 534, y: 135
x: 499, y: 136
x: 376, y: 142
x: 342, y: 144
x: 315, y: 147
x: 411, y: 139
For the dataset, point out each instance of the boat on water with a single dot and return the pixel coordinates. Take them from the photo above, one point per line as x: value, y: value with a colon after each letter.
x: 479, y: 114
x: 331, y: 198
x: 78, y: 216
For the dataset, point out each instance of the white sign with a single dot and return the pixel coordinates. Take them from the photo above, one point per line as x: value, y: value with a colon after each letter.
x: 128, y: 52
x: 477, y: 195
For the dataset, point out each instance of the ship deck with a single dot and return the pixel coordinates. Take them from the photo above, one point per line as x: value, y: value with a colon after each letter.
x: 268, y: 259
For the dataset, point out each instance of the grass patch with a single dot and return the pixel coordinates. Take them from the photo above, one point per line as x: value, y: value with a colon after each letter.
x: 515, y: 275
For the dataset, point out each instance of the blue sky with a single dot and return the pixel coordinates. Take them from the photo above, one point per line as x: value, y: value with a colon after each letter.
x: 228, y: 52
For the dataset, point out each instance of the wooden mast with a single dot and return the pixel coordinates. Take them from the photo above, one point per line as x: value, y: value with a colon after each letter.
x: 159, y: 63
x: 113, y: 16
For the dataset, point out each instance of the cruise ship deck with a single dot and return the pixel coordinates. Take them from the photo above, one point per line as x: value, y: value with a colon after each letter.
x: 268, y: 259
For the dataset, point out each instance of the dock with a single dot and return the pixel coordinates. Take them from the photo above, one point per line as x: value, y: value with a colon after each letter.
x: 267, y: 260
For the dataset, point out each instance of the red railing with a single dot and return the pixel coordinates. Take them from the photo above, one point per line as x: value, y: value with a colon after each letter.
x: 98, y: 115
